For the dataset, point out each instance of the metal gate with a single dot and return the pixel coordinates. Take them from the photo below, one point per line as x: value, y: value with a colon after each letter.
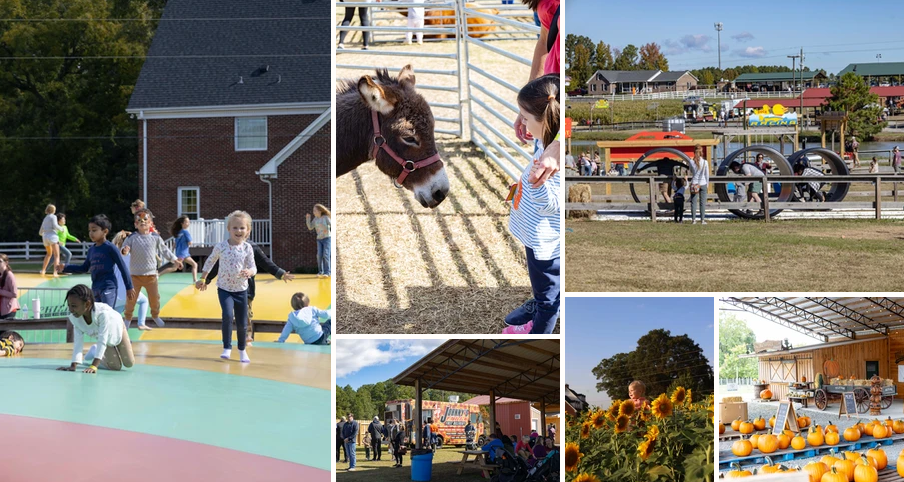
x: 473, y: 116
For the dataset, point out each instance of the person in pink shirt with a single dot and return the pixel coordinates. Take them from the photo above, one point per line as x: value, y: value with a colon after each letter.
x: 9, y: 303
x: 637, y: 391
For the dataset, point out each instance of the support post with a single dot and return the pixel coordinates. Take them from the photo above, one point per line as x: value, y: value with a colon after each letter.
x: 653, y: 204
x: 766, y: 216
x: 878, y: 198
x: 418, y: 422
x: 492, y: 411
x: 607, y: 161
x: 543, y: 431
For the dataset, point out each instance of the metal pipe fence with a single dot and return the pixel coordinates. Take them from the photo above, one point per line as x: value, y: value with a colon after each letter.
x: 38, y: 303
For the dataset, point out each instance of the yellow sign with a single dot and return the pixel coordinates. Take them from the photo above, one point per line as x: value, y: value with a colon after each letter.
x: 776, y: 116
x: 601, y: 104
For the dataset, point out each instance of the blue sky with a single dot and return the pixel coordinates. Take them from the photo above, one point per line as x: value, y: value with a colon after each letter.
x: 360, y: 362
x: 601, y: 327
x: 833, y: 33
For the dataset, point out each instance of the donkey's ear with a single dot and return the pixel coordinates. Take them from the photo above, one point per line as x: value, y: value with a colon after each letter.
x: 376, y: 97
x: 406, y: 76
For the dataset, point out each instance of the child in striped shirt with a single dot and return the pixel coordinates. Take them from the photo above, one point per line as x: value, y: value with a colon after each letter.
x: 534, y: 218
x: 11, y: 343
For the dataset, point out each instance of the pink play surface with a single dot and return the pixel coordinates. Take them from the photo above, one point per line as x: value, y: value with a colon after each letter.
x: 39, y: 450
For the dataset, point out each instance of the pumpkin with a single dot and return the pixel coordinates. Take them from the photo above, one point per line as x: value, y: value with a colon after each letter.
x: 789, y: 433
x: 772, y: 422
x: 803, y: 379
x: 833, y: 475
x: 721, y: 428
x: 898, y: 426
x: 784, y: 441
x: 742, y: 448
x: 900, y: 464
x: 879, y: 431
x: 864, y: 460
x: 852, y: 455
x: 735, y: 425
x: 803, y: 422
x: 770, y: 467
x: 889, y: 424
x: 868, y: 428
x: 755, y: 440
x: 853, y: 377
x: 766, y: 394
x: 846, y: 467
x: 880, y: 457
x: 767, y: 443
x: 831, y: 428
x: 759, y: 423
x: 797, y: 443
x: 832, y: 368
x: 737, y: 472
x: 816, y: 437
x: 832, y: 438
x: 815, y: 470
x: 745, y: 428
x: 865, y: 473
x: 852, y: 434
x: 829, y: 459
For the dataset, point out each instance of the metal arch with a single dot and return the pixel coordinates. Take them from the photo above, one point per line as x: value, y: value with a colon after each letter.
x: 810, y: 317
x: 850, y: 314
x: 635, y: 169
x: 838, y: 190
x: 759, y: 311
x: 784, y: 168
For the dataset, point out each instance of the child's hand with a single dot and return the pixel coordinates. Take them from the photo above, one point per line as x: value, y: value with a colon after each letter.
x: 288, y: 277
x: 91, y: 369
x: 307, y: 216
x: 70, y: 368
x: 177, y: 264
x: 245, y: 273
x: 546, y: 166
x: 126, y: 250
x: 132, y: 295
x: 200, y: 286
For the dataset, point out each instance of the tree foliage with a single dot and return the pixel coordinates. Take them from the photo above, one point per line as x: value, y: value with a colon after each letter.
x: 581, y: 71
x: 851, y: 94
x: 651, y: 58
x: 603, y: 59
x: 658, y: 361
x: 65, y: 137
x: 369, y: 401
x: 735, y: 339
x: 627, y: 58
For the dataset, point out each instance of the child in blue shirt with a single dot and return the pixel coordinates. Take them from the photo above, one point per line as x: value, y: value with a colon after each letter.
x: 103, y: 258
x: 305, y: 321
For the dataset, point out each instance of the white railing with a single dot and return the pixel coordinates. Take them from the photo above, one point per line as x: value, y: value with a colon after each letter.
x: 204, y: 233
x: 36, y: 303
x: 683, y: 94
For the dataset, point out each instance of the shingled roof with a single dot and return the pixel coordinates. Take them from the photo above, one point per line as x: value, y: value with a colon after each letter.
x: 236, y: 53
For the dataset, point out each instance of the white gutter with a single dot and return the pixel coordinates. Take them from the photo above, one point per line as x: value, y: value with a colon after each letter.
x: 270, y: 214
x: 144, y: 141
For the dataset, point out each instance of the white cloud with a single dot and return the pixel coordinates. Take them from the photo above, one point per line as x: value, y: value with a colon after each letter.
x: 355, y: 355
x: 743, y: 37
x: 688, y: 43
x: 751, y: 52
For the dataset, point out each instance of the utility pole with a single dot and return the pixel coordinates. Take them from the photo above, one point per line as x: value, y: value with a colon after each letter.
x: 801, y: 113
x: 718, y: 26
x: 793, y: 68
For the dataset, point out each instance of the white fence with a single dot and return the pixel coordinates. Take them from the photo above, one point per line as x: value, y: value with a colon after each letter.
x: 475, y: 84
x: 683, y: 94
x: 204, y: 233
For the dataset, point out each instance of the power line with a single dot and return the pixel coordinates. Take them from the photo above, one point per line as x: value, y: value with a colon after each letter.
x: 159, y: 19
x: 110, y: 57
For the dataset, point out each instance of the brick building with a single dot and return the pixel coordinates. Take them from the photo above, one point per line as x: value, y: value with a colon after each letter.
x: 235, y: 114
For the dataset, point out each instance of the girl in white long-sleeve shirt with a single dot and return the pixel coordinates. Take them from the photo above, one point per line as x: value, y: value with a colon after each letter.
x: 48, y: 232
x: 103, y: 323
x: 699, y: 184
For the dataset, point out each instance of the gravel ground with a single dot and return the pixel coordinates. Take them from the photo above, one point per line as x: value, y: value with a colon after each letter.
x: 767, y: 410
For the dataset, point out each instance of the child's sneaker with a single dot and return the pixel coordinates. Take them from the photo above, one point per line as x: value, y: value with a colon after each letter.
x: 518, y: 329
x: 226, y: 354
x: 159, y: 322
x: 244, y: 356
x: 91, y: 352
x: 526, y: 310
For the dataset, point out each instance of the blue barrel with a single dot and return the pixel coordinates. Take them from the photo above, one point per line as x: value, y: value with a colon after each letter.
x: 421, y: 467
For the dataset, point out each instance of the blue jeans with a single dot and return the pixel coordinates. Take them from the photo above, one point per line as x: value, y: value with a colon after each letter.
x: 323, y: 256
x: 350, y: 451
x: 546, y: 285
x: 65, y: 254
x: 586, y: 170
x: 235, y: 306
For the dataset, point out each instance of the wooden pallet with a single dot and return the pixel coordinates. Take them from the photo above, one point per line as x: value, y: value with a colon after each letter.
x: 890, y: 474
x: 726, y: 458
x: 732, y: 435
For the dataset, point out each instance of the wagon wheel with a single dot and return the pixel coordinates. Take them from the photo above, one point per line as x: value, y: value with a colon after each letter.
x: 861, y: 396
x: 822, y: 400
x: 886, y: 402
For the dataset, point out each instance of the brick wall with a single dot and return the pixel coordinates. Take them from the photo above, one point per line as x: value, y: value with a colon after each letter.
x: 201, y: 152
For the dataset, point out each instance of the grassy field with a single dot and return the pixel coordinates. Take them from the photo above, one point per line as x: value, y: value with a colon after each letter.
x: 445, y: 464
x: 817, y: 255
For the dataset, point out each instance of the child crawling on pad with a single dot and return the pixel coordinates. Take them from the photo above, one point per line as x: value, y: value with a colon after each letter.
x: 11, y: 343
x: 101, y: 321
x: 305, y: 321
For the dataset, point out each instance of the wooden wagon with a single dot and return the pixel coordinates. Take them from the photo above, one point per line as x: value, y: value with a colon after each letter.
x: 829, y: 393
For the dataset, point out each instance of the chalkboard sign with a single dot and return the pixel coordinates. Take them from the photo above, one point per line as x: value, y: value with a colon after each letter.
x: 785, y: 416
x: 848, y: 404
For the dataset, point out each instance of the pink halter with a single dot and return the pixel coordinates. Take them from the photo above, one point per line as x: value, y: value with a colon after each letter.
x: 407, y: 166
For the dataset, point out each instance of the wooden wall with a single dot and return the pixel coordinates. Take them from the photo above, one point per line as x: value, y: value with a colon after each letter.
x: 895, y: 350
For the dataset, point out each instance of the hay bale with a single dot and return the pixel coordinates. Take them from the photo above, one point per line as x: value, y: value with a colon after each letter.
x: 579, y: 193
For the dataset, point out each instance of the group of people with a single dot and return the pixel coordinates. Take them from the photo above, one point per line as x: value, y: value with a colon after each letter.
x: 394, y: 433
x: 415, y: 21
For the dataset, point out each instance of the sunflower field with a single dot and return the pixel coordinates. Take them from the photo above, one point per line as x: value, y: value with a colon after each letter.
x: 670, y: 439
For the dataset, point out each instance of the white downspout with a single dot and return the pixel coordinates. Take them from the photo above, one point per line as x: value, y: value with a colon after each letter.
x: 270, y: 214
x: 144, y: 140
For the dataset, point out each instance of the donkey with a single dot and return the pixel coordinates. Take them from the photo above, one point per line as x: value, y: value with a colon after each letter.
x: 386, y: 119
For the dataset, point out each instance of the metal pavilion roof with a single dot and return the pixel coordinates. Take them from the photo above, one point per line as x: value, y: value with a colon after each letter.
x: 828, y: 318
x: 521, y: 369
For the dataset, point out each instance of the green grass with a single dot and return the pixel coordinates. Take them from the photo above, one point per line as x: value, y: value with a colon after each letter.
x: 804, y: 255
x: 445, y: 464
x: 626, y: 111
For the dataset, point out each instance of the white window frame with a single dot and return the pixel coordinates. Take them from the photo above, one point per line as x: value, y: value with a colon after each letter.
x: 179, y: 192
x: 266, y: 133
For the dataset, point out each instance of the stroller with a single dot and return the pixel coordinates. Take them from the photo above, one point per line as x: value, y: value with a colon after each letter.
x: 470, y: 444
x: 511, y: 467
x: 546, y: 470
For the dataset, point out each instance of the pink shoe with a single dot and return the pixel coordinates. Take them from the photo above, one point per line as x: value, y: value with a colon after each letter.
x: 518, y: 329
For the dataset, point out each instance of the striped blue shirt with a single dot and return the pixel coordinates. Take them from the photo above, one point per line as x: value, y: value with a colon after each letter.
x: 534, y: 218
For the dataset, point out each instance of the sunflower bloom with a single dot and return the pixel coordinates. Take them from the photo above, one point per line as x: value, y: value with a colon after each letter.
x: 585, y: 429
x: 690, y: 397
x: 679, y: 395
x: 598, y: 420
x: 572, y: 456
x: 626, y: 408
x: 652, y: 433
x: 586, y: 478
x: 621, y: 423
x: 612, y: 413
x: 662, y: 407
x: 645, y: 449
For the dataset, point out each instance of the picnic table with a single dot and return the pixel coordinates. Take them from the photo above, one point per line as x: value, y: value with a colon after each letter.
x: 479, y: 462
